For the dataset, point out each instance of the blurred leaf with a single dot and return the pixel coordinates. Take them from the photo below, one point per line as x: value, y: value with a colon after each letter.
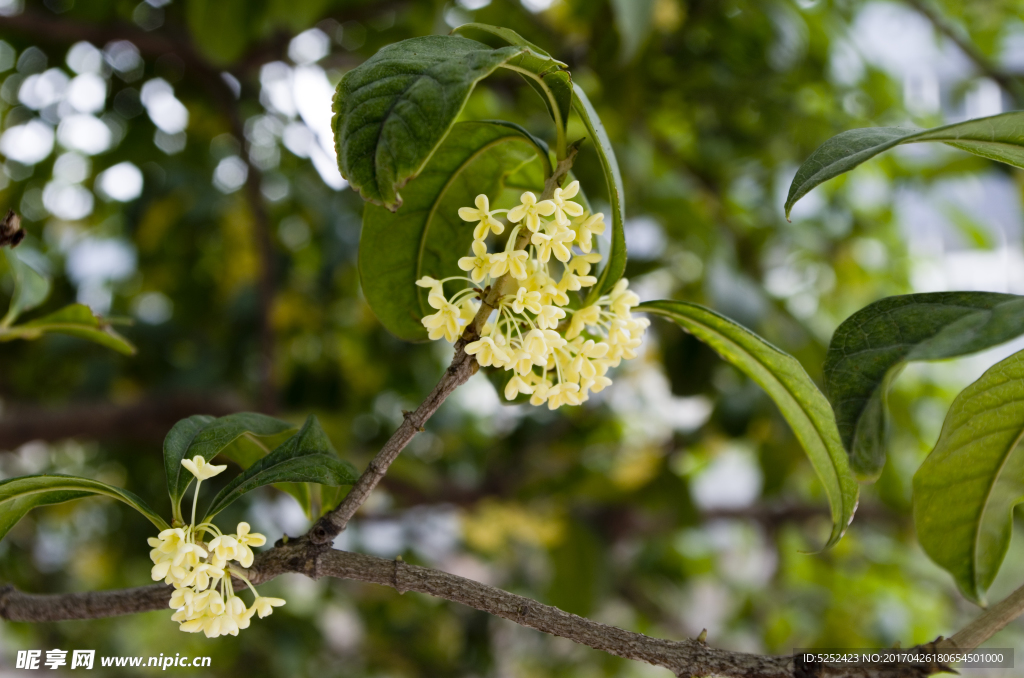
x: 615, y: 260
x: 800, y: 401
x: 633, y: 18
x: 244, y: 438
x: 219, y: 27
x: 76, y: 320
x: 997, y: 138
x: 965, y: 491
x: 306, y: 457
x: 426, y: 236
x: 870, y: 347
x: 20, y: 495
x: 578, y: 569
x: 30, y: 288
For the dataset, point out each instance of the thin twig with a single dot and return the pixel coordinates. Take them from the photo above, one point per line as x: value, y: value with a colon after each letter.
x: 1009, y: 82
x: 462, y: 368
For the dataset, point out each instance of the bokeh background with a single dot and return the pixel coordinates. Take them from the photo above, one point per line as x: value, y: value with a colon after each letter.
x: 173, y: 164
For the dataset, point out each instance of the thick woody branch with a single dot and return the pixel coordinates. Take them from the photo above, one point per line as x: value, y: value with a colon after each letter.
x: 462, y: 368
x: 684, y: 658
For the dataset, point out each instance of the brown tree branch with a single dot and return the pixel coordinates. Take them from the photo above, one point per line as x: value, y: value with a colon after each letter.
x: 146, y: 420
x: 684, y: 658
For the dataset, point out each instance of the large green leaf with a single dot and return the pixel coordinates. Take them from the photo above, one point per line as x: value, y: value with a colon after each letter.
x: 306, y: 457
x: 20, y: 495
x: 30, y: 288
x: 800, y: 401
x: 998, y: 138
x: 393, y: 111
x: 965, y: 491
x: 615, y: 259
x: 869, y: 348
x: 243, y: 437
x: 546, y: 75
x: 426, y: 236
x: 76, y: 320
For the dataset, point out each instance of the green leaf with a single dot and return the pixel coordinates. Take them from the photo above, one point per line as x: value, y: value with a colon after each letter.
x: 615, y: 260
x: 243, y: 437
x: 870, y: 347
x: 30, y: 288
x: 965, y: 491
x: 997, y: 138
x: 76, y: 320
x: 800, y: 401
x: 20, y: 495
x: 306, y: 457
x: 426, y: 236
x: 394, y: 110
x: 633, y: 18
x: 554, y: 84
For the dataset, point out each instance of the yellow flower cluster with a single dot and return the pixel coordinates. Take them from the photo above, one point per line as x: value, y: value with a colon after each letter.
x: 559, y: 354
x: 204, y: 598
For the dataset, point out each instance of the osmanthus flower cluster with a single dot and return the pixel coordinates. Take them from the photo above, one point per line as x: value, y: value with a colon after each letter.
x: 559, y: 354
x: 200, y: 571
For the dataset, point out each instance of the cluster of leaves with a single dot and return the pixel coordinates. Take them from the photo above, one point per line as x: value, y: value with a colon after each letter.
x: 395, y: 125
x: 268, y: 450
x: 31, y: 289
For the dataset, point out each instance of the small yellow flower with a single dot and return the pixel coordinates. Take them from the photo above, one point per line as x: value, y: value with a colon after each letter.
x: 564, y: 208
x: 588, y: 315
x: 265, y: 606
x: 517, y: 264
x: 478, y: 265
x: 200, y: 468
x: 515, y: 386
x: 531, y: 211
x: 549, y: 316
x: 481, y: 214
x: 447, y: 323
x: 486, y: 351
x: 526, y: 300
x: 586, y: 227
x: 435, y: 297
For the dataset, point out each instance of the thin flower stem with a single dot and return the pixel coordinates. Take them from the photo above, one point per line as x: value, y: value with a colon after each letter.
x: 195, y: 500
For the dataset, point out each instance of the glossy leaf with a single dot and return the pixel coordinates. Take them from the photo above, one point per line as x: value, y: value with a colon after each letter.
x: 393, y: 111
x: 869, y: 348
x: 997, y: 138
x: 546, y: 75
x: 243, y: 437
x: 31, y: 288
x: 76, y: 320
x: 426, y: 236
x: 784, y: 379
x: 20, y: 495
x: 615, y: 258
x: 306, y: 457
x: 965, y: 491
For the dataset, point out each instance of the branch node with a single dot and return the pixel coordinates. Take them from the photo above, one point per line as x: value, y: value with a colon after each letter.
x: 703, y: 637
x: 394, y: 576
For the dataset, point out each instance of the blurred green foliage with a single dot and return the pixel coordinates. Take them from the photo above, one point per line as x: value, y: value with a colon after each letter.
x: 680, y: 501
